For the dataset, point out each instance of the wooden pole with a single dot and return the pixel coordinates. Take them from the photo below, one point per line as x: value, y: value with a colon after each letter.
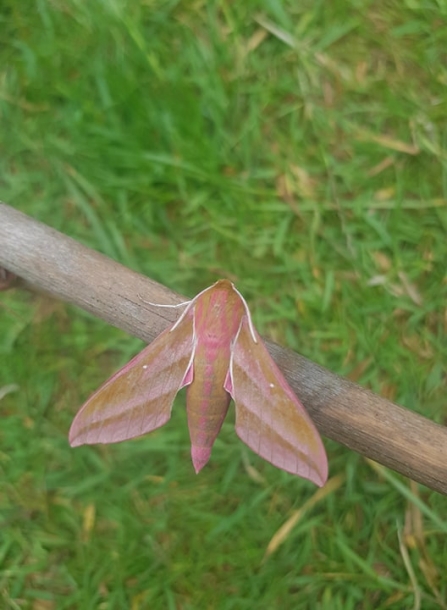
x: 373, y: 426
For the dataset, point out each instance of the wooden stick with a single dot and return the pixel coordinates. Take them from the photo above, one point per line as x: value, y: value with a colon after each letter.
x: 373, y: 426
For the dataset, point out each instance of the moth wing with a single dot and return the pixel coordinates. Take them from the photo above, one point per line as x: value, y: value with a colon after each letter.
x: 139, y: 397
x: 269, y: 417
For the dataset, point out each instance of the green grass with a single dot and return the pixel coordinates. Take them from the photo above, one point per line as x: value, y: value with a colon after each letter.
x: 298, y: 148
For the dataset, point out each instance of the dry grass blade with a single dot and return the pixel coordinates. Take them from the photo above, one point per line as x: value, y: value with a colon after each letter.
x: 284, y: 531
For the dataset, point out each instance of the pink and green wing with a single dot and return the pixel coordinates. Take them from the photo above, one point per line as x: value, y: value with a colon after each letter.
x: 269, y: 417
x: 139, y: 397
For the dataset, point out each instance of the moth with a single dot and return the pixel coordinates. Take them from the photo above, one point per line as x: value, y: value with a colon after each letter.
x: 214, y: 350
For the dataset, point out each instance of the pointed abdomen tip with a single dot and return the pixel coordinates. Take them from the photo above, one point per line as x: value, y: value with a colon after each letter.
x: 200, y: 457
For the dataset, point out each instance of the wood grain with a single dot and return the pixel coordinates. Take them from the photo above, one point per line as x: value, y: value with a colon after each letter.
x: 373, y: 426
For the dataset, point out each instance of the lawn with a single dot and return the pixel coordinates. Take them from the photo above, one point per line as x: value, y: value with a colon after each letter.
x: 296, y: 148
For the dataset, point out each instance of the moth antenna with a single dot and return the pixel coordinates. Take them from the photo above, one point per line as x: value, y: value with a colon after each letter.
x: 160, y: 305
x: 247, y: 311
